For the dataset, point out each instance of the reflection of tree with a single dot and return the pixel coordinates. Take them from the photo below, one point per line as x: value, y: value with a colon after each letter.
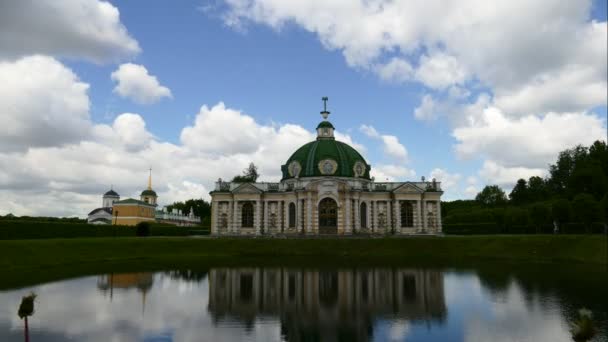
x: 26, y: 309
x: 188, y: 275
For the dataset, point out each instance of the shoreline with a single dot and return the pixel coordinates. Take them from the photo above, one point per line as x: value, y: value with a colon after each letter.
x: 26, y: 261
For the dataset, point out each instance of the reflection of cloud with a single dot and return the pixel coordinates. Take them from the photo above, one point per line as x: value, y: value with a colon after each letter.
x: 78, y: 311
x: 512, y: 318
x: 398, y: 330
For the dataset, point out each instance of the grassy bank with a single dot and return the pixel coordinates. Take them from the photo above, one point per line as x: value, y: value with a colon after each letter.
x: 94, y: 255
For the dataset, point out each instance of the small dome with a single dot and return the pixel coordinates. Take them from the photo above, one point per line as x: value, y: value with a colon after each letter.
x: 148, y: 192
x: 111, y: 193
x: 325, y: 124
x: 326, y: 157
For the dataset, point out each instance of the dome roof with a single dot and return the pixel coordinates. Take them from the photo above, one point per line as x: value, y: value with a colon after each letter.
x: 326, y: 157
x: 148, y: 192
x: 111, y: 193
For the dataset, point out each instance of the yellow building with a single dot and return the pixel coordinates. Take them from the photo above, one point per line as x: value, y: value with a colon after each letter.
x: 130, y: 212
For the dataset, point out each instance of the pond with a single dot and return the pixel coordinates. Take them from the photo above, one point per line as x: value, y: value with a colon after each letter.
x: 311, y: 304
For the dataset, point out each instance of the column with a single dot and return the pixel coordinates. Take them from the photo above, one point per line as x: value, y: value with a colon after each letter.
x: 308, y: 213
x: 265, y: 226
x: 258, y: 212
x: 347, y: 209
x: 235, y: 215
x: 298, y: 222
x: 284, y: 221
x: 397, y: 210
x: 423, y: 216
x: 214, y: 214
x: 374, y: 211
x: 389, y: 216
x: 357, y: 215
x: 439, y: 226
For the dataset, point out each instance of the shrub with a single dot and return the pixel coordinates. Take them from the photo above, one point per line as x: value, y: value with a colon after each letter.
x: 142, y: 229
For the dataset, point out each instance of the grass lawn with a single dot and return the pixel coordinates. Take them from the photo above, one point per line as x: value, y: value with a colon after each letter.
x: 26, y: 260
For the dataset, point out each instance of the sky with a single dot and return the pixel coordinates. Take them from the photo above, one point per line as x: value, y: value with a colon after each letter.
x: 468, y: 92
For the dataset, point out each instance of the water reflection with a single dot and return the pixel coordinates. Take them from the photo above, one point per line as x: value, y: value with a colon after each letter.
x: 289, y: 304
x: 326, y: 305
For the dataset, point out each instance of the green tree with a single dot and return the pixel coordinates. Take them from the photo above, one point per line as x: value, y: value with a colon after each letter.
x: 604, y: 212
x: 250, y: 175
x: 519, y: 194
x: 537, y: 189
x: 560, y: 212
x: 539, y: 215
x: 200, y: 207
x: 491, y: 195
x: 585, y: 209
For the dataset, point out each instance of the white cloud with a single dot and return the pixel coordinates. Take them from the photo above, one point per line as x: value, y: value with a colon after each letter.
x: 135, y: 83
x: 502, y: 45
x: 495, y: 173
x: 440, y: 70
x: 397, y: 70
x: 391, y: 173
x: 393, y: 148
x: 42, y: 103
x: 471, y: 191
x: 390, y: 144
x: 370, y: 131
x: 88, y: 29
x: 448, y: 180
x: 427, y: 110
x: 529, y: 141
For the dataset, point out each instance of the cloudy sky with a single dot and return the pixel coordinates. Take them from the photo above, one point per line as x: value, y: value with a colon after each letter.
x: 470, y: 92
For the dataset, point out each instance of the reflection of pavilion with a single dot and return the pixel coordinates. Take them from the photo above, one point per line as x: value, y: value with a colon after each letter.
x: 326, y: 305
x: 141, y: 281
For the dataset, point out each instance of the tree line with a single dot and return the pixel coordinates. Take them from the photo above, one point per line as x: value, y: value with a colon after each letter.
x: 572, y: 198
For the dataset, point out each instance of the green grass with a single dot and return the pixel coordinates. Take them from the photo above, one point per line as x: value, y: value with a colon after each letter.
x: 27, y: 261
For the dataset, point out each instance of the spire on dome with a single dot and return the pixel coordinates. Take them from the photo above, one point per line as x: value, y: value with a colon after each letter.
x: 150, y: 180
x: 324, y: 113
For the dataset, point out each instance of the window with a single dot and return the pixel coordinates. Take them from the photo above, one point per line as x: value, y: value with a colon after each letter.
x: 363, y: 215
x: 292, y: 215
x: 407, y: 214
x: 247, y: 215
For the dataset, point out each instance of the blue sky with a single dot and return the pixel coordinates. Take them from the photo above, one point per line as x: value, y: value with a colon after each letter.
x: 470, y: 93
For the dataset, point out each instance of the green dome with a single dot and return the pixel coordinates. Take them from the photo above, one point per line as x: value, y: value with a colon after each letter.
x: 326, y: 157
x: 325, y: 124
x: 148, y: 193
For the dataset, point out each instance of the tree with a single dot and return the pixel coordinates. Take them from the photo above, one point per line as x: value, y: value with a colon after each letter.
x: 200, y: 207
x: 560, y: 212
x: 491, y: 195
x: 539, y: 215
x: 586, y: 209
x: 537, y: 189
x: 250, y: 175
x: 519, y: 194
x: 604, y: 212
x: 26, y: 309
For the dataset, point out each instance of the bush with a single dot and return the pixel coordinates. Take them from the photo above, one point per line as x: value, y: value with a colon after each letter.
x: 471, y: 228
x: 142, y: 229
x: 15, y: 230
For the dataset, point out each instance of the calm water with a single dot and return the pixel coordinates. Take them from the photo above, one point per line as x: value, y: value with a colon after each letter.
x: 291, y: 304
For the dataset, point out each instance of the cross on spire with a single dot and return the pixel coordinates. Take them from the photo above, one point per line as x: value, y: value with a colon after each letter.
x: 325, y: 113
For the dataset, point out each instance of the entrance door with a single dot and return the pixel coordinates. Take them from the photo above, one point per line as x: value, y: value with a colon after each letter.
x: 328, y: 216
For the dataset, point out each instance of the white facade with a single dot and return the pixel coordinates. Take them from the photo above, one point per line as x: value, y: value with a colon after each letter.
x: 356, y: 205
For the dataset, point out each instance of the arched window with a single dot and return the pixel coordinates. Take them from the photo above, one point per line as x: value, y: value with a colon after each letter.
x: 247, y: 215
x: 292, y: 215
x: 407, y: 214
x: 363, y: 215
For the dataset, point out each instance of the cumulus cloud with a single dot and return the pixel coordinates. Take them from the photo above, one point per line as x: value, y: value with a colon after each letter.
x: 45, y: 105
x: 391, y: 173
x: 495, y: 173
x: 529, y: 141
x: 440, y: 70
x: 88, y: 29
x: 448, y: 180
x: 427, y: 110
x: 135, y: 83
x: 497, y: 44
x: 390, y: 144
